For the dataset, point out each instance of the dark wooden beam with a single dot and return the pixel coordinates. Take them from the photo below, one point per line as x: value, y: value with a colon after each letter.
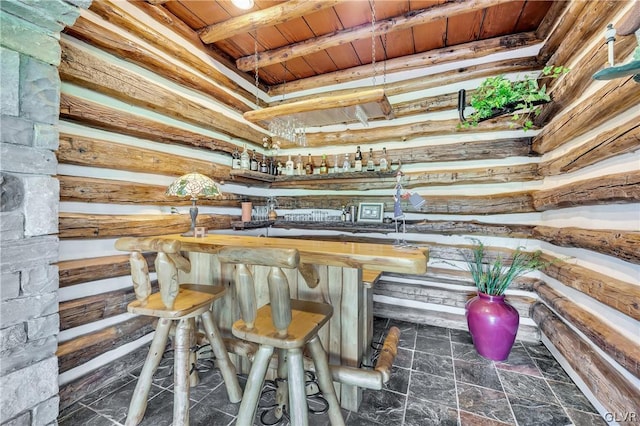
x: 78, y: 271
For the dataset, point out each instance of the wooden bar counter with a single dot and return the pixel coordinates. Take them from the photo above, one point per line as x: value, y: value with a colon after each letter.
x: 329, y: 271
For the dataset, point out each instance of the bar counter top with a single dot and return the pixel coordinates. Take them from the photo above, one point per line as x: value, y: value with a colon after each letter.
x: 376, y: 257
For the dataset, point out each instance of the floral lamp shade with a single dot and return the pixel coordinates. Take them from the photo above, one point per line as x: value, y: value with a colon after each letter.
x: 193, y: 185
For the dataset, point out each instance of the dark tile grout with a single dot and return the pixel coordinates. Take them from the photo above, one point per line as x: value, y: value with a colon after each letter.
x: 369, y: 414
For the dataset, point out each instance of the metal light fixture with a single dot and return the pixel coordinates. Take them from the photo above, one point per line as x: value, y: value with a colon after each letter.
x: 193, y: 185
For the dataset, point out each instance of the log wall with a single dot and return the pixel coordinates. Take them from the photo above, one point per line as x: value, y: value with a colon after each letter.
x: 570, y: 189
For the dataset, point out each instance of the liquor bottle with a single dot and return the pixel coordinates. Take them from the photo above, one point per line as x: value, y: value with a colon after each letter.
x: 336, y: 164
x: 254, y: 162
x: 347, y: 164
x: 348, y: 214
x: 358, y: 160
x: 323, y: 165
x: 370, y: 164
x: 245, y: 162
x: 308, y: 168
x: 384, y: 163
x: 343, y: 214
x: 299, y: 166
x: 264, y: 167
x: 288, y: 167
x: 235, y: 159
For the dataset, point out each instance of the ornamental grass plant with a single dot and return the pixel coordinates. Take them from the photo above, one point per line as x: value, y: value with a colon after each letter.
x: 493, y: 278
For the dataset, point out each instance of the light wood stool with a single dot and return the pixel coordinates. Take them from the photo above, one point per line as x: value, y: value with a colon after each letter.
x: 179, y: 305
x: 285, y: 324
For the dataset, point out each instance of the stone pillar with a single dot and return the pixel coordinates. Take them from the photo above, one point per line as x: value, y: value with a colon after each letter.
x: 29, y: 108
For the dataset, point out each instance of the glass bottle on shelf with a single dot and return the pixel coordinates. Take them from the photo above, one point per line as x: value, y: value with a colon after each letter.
x: 264, y: 166
x: 358, y: 161
x: 343, y: 214
x: 323, y: 165
x: 299, y: 166
x: 336, y: 164
x: 235, y: 159
x: 384, y: 162
x: 254, y: 162
x: 288, y: 167
x: 245, y: 162
x: 370, y: 164
x: 308, y: 168
x: 347, y: 164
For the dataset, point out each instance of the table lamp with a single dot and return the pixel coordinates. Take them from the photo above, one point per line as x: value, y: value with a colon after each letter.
x: 193, y: 185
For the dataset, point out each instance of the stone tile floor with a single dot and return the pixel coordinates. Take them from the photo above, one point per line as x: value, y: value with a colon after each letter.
x: 438, y: 379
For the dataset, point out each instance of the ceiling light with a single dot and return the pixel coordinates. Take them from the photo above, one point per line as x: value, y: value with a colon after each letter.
x: 243, y: 4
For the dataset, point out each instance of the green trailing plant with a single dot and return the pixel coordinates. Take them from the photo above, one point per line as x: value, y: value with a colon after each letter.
x: 495, y: 277
x: 498, y: 95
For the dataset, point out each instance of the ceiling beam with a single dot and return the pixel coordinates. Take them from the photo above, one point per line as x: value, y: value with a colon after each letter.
x: 475, y: 49
x: 266, y: 17
x: 398, y: 23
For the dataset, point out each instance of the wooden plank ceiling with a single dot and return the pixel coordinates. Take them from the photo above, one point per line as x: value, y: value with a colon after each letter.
x: 299, y: 39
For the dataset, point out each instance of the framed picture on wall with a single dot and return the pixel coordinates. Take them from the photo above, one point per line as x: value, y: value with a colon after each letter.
x: 370, y: 212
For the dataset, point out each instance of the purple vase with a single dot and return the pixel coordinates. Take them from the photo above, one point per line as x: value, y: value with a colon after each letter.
x: 493, y: 324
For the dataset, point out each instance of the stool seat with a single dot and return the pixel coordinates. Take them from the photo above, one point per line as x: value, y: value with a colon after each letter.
x: 306, y: 319
x: 192, y: 300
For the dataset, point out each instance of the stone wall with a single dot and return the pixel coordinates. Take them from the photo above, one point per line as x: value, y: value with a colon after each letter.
x: 29, y: 322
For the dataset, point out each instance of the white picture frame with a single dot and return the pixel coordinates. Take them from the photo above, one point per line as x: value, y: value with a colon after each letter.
x: 370, y: 212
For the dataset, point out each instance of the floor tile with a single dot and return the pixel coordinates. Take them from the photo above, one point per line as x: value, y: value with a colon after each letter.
x: 484, y: 375
x: 531, y: 412
x: 116, y: 404
x: 428, y: 387
x: 399, y: 381
x: 159, y: 410
x: 571, y: 396
x: 526, y: 386
x: 432, y: 331
x: 106, y: 390
x: 404, y: 358
x: 580, y: 418
x: 86, y: 417
x: 420, y: 414
x: 468, y: 353
x: 433, y: 345
x: 537, y: 350
x: 461, y: 336
x: 203, y: 414
x: 552, y: 370
x: 382, y: 407
x: 484, y: 402
x: 520, y: 362
x: 407, y: 333
x: 433, y: 364
x: 469, y: 419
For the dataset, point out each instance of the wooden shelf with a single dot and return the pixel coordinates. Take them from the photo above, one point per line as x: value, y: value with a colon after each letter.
x: 264, y: 177
x: 254, y: 224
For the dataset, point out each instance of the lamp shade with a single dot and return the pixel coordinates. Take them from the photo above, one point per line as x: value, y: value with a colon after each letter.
x: 193, y: 185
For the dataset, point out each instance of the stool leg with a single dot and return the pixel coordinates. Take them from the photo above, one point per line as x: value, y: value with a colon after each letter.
x: 253, y: 388
x: 138, y: 404
x: 325, y: 382
x: 297, y: 393
x: 181, y: 374
x: 194, y: 379
x: 228, y: 370
x: 282, y: 390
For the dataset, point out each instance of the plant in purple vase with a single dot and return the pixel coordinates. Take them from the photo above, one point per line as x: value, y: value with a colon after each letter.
x: 492, y: 321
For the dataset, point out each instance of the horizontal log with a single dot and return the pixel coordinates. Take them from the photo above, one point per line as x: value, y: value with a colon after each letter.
x: 611, y: 388
x: 80, y: 271
x: 618, y: 188
x: 556, y: 29
x: 624, y: 245
x: 78, y: 66
x: 615, y: 344
x: 79, y: 225
x: 612, y: 99
x: 620, y: 140
x: 615, y: 293
x: 93, y: 114
x: 82, y: 349
x: 91, y: 29
x: 100, y: 377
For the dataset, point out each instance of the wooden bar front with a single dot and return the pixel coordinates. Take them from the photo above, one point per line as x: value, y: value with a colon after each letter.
x: 333, y: 272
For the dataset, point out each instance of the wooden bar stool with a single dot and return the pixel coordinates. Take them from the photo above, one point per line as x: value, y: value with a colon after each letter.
x: 174, y: 304
x: 285, y: 324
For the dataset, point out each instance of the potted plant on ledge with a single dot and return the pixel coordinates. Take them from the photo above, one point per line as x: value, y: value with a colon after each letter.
x: 498, y: 96
x: 493, y: 323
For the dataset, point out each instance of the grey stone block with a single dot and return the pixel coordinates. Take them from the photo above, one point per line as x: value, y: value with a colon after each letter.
x: 46, y: 136
x: 31, y: 352
x: 28, y: 387
x: 35, y: 15
x: 21, y: 309
x: 28, y: 253
x: 10, y: 77
x: 29, y: 39
x: 38, y: 280
x: 42, y: 327
x: 46, y: 412
x: 23, y: 159
x: 12, y: 337
x: 11, y: 225
x: 39, y: 91
x: 23, y: 419
x: 80, y: 3
x: 16, y: 130
x: 9, y: 285
x: 12, y: 192
x: 62, y: 11
x: 40, y: 206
